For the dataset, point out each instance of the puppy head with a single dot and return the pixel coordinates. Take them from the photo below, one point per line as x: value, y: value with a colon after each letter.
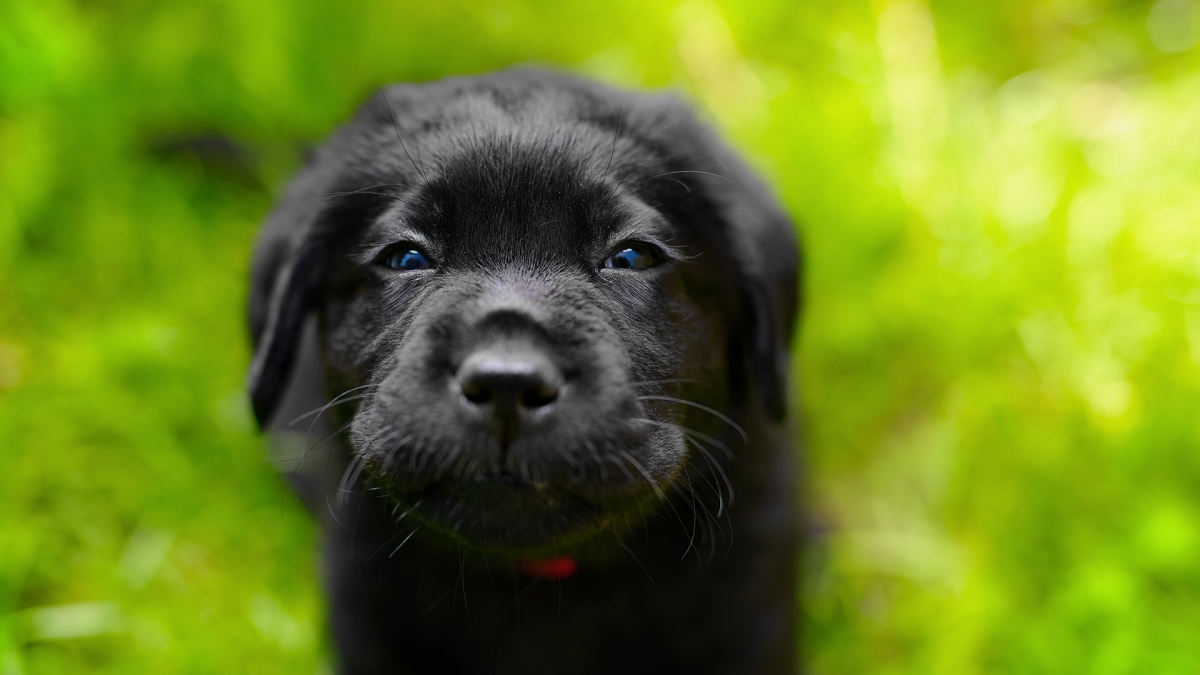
x: 545, y: 292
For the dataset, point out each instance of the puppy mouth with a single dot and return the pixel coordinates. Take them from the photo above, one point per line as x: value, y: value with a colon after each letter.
x: 503, y: 492
x: 508, y: 513
x: 552, y: 487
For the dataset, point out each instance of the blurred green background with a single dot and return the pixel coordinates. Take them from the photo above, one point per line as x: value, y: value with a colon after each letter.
x: 997, y: 376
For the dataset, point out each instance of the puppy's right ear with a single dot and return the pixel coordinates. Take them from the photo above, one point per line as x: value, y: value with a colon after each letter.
x: 282, y: 312
x: 285, y: 280
x: 295, y: 245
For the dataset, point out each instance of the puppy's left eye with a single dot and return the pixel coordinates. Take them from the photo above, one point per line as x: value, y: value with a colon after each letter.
x: 633, y: 256
x: 405, y: 259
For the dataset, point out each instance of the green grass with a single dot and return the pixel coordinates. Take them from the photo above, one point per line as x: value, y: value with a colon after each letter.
x: 997, y: 379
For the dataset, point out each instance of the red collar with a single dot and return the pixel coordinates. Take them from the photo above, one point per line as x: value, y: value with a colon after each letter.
x: 554, y: 569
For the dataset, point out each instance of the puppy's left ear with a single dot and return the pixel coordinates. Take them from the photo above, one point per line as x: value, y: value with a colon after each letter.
x: 770, y: 259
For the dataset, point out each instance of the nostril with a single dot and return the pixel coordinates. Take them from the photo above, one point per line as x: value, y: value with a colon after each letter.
x: 476, y: 392
x: 539, y: 395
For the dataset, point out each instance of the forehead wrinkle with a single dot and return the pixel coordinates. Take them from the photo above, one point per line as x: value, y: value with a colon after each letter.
x: 528, y: 184
x: 520, y: 194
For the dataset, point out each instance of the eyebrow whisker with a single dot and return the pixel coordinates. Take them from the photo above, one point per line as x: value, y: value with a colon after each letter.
x: 363, y: 190
x: 685, y: 187
x: 663, y: 159
x: 612, y: 152
x: 670, y: 173
x: 396, y: 128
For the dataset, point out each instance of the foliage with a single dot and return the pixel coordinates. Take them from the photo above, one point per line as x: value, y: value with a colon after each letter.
x: 996, y: 381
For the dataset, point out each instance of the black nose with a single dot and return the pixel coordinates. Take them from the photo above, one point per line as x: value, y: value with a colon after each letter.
x: 508, y: 383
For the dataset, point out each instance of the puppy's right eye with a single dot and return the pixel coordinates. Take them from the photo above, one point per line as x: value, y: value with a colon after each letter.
x: 405, y: 258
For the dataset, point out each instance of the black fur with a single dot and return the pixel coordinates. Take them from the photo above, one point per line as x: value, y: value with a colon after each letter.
x: 662, y: 466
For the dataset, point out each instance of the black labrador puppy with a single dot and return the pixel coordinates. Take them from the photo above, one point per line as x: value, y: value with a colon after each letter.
x: 556, y: 317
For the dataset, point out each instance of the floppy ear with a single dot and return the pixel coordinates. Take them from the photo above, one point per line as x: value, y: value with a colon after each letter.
x: 768, y: 256
x: 285, y: 279
x: 762, y: 237
x: 770, y: 268
x: 753, y: 226
x: 297, y: 240
x: 281, y: 312
x: 770, y: 309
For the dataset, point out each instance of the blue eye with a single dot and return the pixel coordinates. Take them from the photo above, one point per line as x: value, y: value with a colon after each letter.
x: 404, y: 259
x: 635, y: 257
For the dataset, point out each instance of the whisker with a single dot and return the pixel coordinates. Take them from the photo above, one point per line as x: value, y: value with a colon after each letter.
x: 595, y: 454
x: 406, y: 511
x: 349, y: 477
x: 329, y: 506
x: 396, y: 128
x: 681, y: 184
x: 716, y: 467
x: 524, y: 591
x: 533, y: 231
x: 709, y: 520
x: 319, y: 411
x: 643, y: 383
x: 386, y: 429
x: 568, y: 457
x: 410, y: 534
x: 630, y: 552
x: 671, y: 173
x: 386, y: 465
x: 304, y: 455
x: 462, y: 575
x: 663, y: 159
x: 383, y: 546
x: 716, y: 487
x: 688, y: 435
x: 692, y: 537
x: 412, y: 457
x: 710, y: 440
x: 448, y: 459
x: 336, y: 399
x: 657, y: 490
x: 621, y: 466
x: 645, y: 474
x: 721, y: 416
x: 612, y: 152
x: 316, y: 414
x: 713, y: 519
x: 688, y: 432
x: 362, y: 190
x: 331, y: 434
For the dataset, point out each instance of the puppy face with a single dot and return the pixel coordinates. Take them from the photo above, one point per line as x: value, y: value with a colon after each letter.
x: 538, y: 289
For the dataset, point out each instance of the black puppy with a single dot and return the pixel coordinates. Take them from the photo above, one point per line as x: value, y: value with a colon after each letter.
x: 556, y: 316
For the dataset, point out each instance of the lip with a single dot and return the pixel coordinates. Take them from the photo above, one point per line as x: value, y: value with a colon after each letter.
x: 506, y: 512
x: 503, y: 493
